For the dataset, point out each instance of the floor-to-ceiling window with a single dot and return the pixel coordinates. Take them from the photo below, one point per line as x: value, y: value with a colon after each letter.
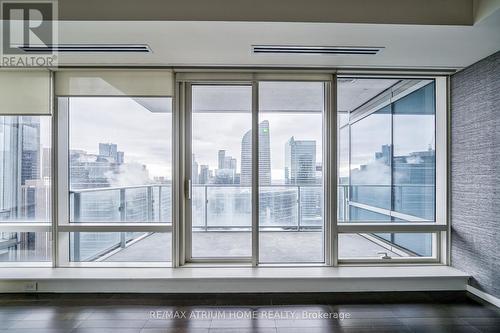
x: 221, y: 171
x: 387, y: 168
x: 26, y: 172
x: 115, y: 166
x: 25, y: 187
x: 291, y: 219
x: 238, y: 171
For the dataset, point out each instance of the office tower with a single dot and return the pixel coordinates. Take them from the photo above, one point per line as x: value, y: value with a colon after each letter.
x: 92, y: 171
x: 20, y: 156
x: 204, y: 174
x: 232, y: 163
x: 385, y: 154
x: 29, y: 140
x: 221, y: 159
x: 224, y: 176
x: 264, y: 156
x: 120, y: 157
x: 108, y: 150
x: 194, y: 170
x: 300, y: 161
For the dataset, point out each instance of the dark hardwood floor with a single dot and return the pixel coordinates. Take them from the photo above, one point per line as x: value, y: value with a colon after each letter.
x: 274, y: 313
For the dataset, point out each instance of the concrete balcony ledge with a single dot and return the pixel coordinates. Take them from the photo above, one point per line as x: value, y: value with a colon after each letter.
x: 234, y: 279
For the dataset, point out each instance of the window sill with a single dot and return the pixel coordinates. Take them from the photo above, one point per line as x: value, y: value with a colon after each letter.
x: 235, y: 279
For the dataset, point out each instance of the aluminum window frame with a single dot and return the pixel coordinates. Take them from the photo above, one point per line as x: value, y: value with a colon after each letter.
x: 185, y: 82
x: 333, y: 228
x: 42, y: 226
x: 441, y: 225
x: 63, y: 227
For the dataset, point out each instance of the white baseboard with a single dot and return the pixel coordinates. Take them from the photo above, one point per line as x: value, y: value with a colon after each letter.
x: 485, y: 296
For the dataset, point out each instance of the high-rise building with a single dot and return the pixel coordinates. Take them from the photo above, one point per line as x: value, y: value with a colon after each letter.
x: 264, y: 156
x: 232, y: 164
x: 204, y: 174
x: 29, y: 139
x: 20, y: 156
x: 108, y: 150
x: 194, y: 170
x: 300, y: 161
x: 221, y: 159
x: 120, y: 157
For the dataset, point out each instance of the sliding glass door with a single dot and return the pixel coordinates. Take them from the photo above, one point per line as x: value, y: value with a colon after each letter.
x: 221, y: 154
x: 291, y: 220
x: 220, y: 189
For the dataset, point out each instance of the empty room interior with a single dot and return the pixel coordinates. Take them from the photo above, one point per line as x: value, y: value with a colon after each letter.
x: 268, y: 166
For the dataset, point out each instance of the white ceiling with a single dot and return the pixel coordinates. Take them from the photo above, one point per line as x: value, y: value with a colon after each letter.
x: 182, y: 43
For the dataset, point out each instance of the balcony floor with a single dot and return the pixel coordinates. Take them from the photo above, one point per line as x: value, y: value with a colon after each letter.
x: 290, y: 246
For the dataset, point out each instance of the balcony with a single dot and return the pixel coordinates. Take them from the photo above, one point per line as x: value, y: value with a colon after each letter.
x: 289, y: 215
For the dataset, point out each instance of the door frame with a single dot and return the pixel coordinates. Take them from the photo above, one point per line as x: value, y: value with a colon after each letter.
x: 183, y: 230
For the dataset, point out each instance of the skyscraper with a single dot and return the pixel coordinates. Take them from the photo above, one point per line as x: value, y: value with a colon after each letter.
x: 194, y: 170
x: 300, y: 161
x: 108, y: 150
x: 20, y: 162
x: 264, y: 156
x: 221, y: 159
x: 204, y: 174
x: 232, y: 163
x: 120, y: 157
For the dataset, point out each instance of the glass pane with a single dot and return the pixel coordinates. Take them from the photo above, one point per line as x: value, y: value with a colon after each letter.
x: 386, y: 144
x: 120, y: 247
x: 395, y: 245
x: 25, y: 246
x: 221, y: 208
x: 120, y: 159
x: 290, y: 158
x: 370, y: 163
x: 414, y: 160
x: 25, y: 169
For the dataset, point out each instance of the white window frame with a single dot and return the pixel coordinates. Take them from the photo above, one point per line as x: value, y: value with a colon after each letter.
x: 41, y: 80
x: 60, y: 226
x: 440, y: 227
x: 185, y: 81
x: 64, y: 227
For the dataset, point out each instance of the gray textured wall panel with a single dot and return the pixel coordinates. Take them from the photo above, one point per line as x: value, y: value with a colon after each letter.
x: 475, y: 173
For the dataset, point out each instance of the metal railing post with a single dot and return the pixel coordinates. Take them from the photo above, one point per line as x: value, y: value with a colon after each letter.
x: 122, y: 208
x: 76, y: 206
x: 206, y: 207
x: 149, y: 203
x: 123, y: 216
x: 159, y: 203
x: 76, y: 246
x: 347, y: 211
x: 299, y: 212
x: 123, y: 240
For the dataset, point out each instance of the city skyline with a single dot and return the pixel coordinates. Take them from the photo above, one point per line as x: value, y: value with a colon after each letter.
x: 300, y: 160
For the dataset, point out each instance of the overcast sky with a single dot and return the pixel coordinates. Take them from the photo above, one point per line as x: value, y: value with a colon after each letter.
x: 221, y: 116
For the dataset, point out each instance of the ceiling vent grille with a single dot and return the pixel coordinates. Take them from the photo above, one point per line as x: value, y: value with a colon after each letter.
x: 83, y: 48
x: 324, y: 50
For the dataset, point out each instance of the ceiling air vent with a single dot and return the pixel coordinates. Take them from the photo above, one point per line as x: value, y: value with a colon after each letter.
x: 339, y: 50
x: 142, y: 48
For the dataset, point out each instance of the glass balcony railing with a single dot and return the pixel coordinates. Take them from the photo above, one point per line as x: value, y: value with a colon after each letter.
x: 386, y: 203
x: 227, y: 208
x: 214, y: 207
x: 141, y: 203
